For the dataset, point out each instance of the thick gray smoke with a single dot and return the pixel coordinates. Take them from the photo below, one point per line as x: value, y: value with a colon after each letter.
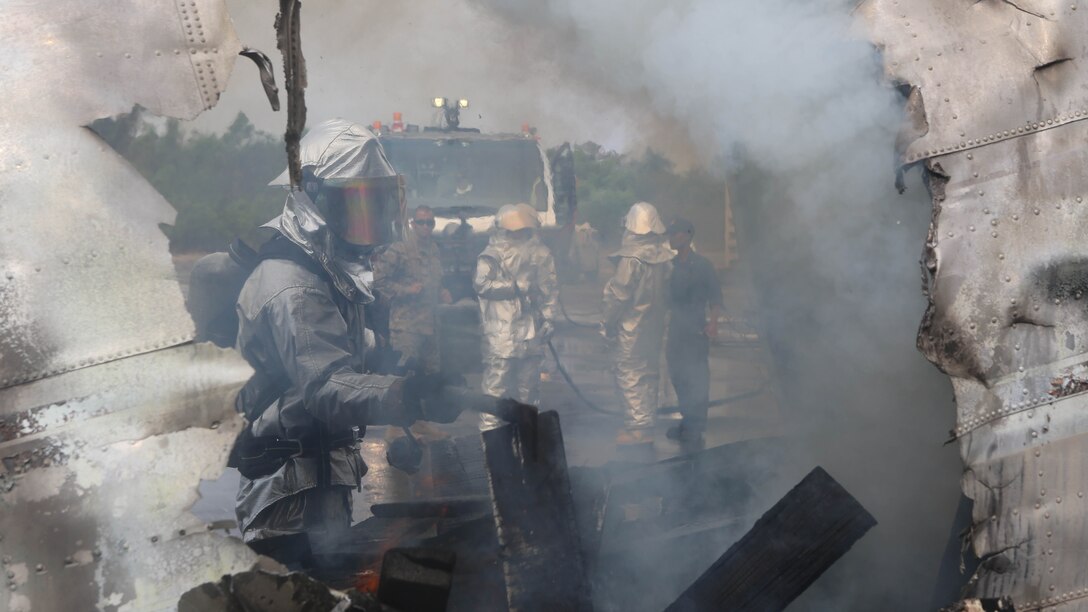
x: 781, y: 97
x: 367, y: 59
x: 794, y: 105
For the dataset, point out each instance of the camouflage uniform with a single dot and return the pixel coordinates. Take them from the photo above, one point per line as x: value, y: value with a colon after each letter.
x: 412, y: 324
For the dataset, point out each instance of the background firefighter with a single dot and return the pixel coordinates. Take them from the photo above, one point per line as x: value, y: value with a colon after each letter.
x: 519, y: 300
x: 694, y: 290
x: 302, y: 328
x: 408, y: 278
x: 634, y: 316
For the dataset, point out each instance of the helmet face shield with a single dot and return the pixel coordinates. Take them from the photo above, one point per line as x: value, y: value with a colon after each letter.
x: 514, y: 217
x: 372, y: 209
x: 643, y: 219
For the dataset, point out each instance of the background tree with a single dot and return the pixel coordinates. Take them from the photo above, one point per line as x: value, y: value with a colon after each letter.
x: 219, y: 182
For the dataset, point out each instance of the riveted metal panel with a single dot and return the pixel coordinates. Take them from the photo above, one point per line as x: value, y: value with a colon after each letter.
x: 73, y: 61
x: 997, y: 98
x: 985, y: 71
x: 109, y: 417
x: 85, y: 273
x: 1009, y: 322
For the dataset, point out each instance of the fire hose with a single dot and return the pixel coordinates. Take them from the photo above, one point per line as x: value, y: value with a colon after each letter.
x: 406, y: 453
x: 563, y: 309
x: 729, y: 399
x: 662, y: 410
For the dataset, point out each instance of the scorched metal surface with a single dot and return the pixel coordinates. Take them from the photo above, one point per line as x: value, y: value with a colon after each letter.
x: 109, y: 416
x: 997, y: 99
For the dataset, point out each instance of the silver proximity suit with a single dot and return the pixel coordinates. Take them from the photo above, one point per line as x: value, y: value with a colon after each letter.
x: 635, y: 304
x: 519, y: 301
x: 307, y: 329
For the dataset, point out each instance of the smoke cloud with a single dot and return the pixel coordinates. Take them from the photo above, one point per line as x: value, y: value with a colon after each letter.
x: 781, y: 97
x: 367, y: 59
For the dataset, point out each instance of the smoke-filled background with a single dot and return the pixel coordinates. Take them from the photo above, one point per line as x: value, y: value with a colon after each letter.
x: 783, y: 99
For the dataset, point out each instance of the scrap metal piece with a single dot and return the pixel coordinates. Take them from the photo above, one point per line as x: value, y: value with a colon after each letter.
x: 1006, y: 270
x: 268, y: 76
x: 542, y: 556
x: 787, y: 549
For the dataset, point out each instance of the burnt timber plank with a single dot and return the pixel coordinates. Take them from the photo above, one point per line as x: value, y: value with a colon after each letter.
x: 787, y: 549
x: 542, y: 556
x: 417, y: 579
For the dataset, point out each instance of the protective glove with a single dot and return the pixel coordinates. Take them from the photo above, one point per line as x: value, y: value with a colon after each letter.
x: 398, y: 407
x: 424, y: 401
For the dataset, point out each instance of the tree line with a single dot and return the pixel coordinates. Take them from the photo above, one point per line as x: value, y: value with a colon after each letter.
x: 219, y: 182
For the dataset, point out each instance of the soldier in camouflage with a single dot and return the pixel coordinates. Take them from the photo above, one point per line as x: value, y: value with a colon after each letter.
x: 408, y: 277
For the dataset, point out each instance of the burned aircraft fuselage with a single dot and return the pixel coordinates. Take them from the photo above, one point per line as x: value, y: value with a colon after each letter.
x: 996, y: 111
x: 109, y: 415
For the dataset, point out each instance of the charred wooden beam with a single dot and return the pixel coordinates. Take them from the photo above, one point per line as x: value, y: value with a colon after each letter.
x: 786, y: 551
x: 417, y: 579
x: 450, y: 507
x: 542, y: 556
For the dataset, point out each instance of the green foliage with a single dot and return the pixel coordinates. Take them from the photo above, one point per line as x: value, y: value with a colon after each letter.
x: 609, y: 183
x: 217, y: 182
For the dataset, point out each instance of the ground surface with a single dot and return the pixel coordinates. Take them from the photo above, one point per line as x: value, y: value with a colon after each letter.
x: 740, y: 366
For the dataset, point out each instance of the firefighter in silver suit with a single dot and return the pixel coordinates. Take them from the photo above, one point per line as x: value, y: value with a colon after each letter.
x: 519, y: 299
x: 635, y: 305
x: 301, y: 326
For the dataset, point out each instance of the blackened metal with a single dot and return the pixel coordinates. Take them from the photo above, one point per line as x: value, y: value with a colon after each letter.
x: 268, y: 77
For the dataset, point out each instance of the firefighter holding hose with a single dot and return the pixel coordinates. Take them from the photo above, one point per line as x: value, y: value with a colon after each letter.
x: 302, y: 327
x: 519, y: 300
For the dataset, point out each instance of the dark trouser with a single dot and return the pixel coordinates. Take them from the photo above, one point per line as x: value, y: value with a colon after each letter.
x: 689, y: 368
x: 307, y: 526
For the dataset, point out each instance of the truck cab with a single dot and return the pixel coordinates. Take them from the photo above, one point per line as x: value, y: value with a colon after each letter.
x: 465, y: 176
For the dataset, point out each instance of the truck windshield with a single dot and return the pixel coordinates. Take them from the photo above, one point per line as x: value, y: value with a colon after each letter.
x: 447, y: 172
